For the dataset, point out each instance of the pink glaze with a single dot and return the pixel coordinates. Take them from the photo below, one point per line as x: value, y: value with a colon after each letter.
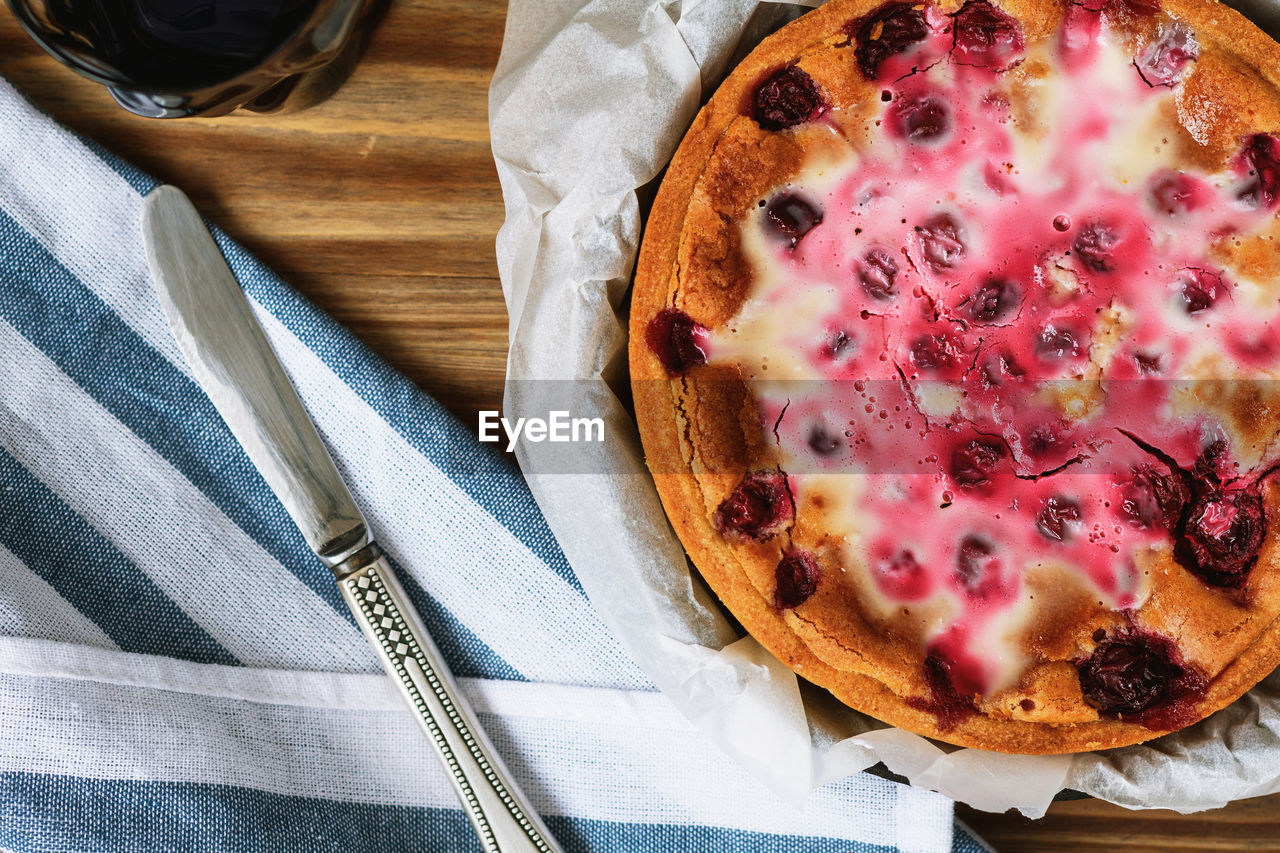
x: 971, y: 310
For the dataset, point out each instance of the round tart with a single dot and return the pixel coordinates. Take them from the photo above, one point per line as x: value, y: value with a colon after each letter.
x: 952, y: 346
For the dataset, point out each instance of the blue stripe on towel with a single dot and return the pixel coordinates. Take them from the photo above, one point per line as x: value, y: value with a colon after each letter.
x: 102, y: 816
x: 597, y: 836
x: 158, y: 403
x: 79, y: 332
x: 85, y: 569
x: 491, y: 480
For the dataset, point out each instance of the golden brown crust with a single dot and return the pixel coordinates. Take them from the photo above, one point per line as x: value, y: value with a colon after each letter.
x: 701, y: 430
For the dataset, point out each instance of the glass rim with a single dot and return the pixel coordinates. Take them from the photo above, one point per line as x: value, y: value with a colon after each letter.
x: 99, y: 73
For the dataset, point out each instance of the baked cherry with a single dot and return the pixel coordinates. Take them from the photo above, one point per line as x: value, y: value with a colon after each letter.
x: 902, y: 578
x: 787, y: 98
x: 1057, y: 342
x: 1198, y: 289
x: 941, y: 242
x: 877, y: 274
x: 789, y: 217
x: 797, y: 578
x: 946, y: 702
x: 997, y: 368
x: 1162, y: 61
x: 1055, y: 517
x: 1133, y: 675
x: 1095, y: 246
x: 1152, y: 498
x: 985, y: 37
x: 920, y: 119
x: 837, y: 344
x: 1260, y: 160
x: 1223, y: 534
x: 1175, y: 193
x: 1148, y: 364
x: 974, y: 461
x: 823, y: 442
x: 994, y: 301
x: 757, y: 508
x: 978, y: 567
x: 886, y: 31
x: 935, y: 352
x: 679, y: 341
x: 1209, y: 465
x: 1042, y: 439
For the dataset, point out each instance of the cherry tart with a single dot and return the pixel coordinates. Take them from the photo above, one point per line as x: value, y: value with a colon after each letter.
x: 953, y: 340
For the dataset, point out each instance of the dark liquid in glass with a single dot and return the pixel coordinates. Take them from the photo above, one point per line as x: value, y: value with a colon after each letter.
x: 174, y: 44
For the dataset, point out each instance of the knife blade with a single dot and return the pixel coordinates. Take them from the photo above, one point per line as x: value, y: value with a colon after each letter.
x: 229, y: 354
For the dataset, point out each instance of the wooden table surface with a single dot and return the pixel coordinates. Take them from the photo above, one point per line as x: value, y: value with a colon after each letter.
x: 381, y: 205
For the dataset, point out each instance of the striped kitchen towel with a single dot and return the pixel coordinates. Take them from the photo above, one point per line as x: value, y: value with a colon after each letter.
x: 178, y: 673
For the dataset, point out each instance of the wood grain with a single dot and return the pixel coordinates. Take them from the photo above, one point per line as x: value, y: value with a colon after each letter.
x: 1082, y: 825
x: 382, y: 204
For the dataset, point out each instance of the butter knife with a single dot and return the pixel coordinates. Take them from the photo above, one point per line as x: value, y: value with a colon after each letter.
x: 230, y: 357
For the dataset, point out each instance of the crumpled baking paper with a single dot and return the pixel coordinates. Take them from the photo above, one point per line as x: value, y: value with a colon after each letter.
x: 588, y: 102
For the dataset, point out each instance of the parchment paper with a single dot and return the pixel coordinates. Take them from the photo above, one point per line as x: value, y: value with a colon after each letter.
x: 588, y: 102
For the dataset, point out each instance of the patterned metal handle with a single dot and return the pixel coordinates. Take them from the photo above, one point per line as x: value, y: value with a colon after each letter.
x: 498, y: 811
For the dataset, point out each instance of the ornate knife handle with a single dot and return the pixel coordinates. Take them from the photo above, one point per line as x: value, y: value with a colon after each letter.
x: 497, y: 810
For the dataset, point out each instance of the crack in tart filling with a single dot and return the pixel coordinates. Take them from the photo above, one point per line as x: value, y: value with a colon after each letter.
x: 952, y: 345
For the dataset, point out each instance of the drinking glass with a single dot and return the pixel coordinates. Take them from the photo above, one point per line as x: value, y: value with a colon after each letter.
x: 178, y: 58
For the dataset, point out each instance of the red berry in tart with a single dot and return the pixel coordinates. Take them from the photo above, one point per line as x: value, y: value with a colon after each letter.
x: 679, y: 341
x: 903, y: 578
x: 789, y: 217
x: 1259, y: 160
x: 824, y: 442
x: 877, y: 274
x: 986, y: 37
x: 975, y: 461
x: 946, y: 702
x: 1131, y: 675
x: 837, y: 344
x: 1175, y: 193
x: 1057, y: 342
x: 1154, y: 499
x: 936, y: 353
x: 994, y: 302
x: 758, y: 508
x: 941, y: 242
x: 1148, y: 364
x: 920, y: 119
x: 1198, y: 289
x: 1222, y: 536
x: 1162, y: 61
x: 891, y: 29
x: 787, y: 98
x: 997, y: 368
x: 1057, y: 517
x: 1042, y: 439
x: 797, y: 579
x: 1095, y: 246
x: 977, y: 566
